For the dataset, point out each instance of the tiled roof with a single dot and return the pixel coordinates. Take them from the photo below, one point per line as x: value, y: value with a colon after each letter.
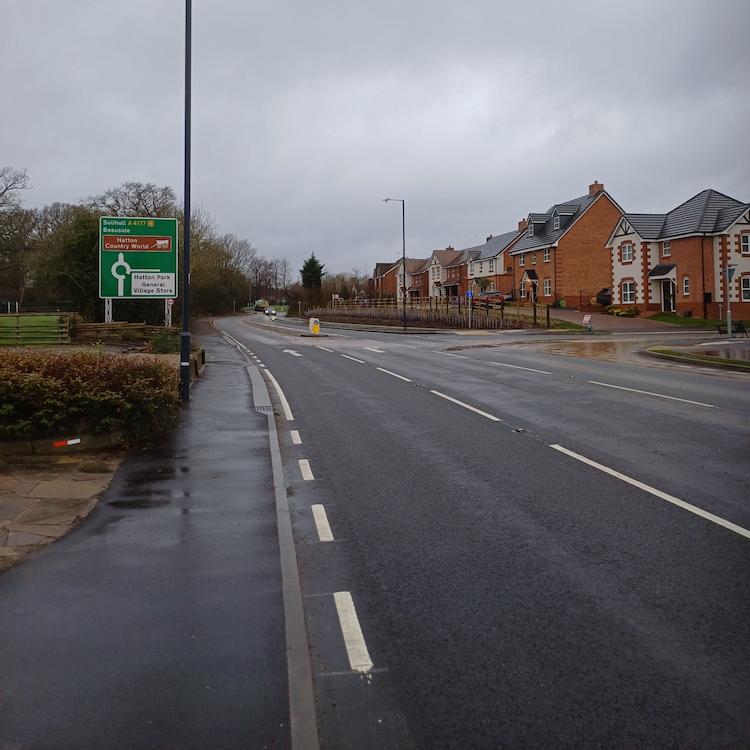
x: 708, y: 212
x: 493, y: 247
x: 544, y: 235
x: 381, y: 268
x: 414, y: 264
x: 446, y: 257
x: 662, y: 269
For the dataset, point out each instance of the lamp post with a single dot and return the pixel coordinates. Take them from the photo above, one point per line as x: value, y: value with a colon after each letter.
x: 403, y: 253
x: 185, y: 335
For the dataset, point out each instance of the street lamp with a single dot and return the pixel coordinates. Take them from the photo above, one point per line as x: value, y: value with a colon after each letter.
x: 403, y: 251
x: 185, y: 334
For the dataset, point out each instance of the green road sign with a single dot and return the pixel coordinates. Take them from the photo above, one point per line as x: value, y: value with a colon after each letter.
x: 137, y: 257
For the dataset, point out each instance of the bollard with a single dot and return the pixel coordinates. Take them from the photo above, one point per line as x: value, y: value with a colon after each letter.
x: 314, y: 325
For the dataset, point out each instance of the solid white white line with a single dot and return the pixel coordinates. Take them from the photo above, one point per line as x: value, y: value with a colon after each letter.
x: 284, y: 403
x: 395, y: 374
x: 649, y: 393
x: 296, y: 439
x: 657, y: 493
x: 356, y: 648
x: 372, y: 349
x: 325, y: 349
x: 353, y: 359
x: 321, y: 523
x: 466, y: 406
x: 304, y: 467
x: 518, y: 367
x: 448, y: 354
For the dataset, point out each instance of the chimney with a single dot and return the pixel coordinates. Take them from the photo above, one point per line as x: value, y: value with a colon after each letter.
x: 523, y: 225
x: 596, y: 187
x: 489, y: 238
x: 450, y: 247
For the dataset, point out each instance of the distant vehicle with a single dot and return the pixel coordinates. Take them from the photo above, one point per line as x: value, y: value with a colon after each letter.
x: 494, y: 296
x: 270, y: 311
x: 604, y: 297
x: 260, y: 305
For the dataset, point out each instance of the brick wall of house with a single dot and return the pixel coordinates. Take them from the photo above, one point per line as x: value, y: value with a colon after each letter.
x: 686, y: 255
x: 388, y: 282
x: 583, y: 263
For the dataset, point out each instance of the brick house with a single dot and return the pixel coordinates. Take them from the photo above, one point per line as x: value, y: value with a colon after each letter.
x: 489, y: 266
x: 419, y: 286
x: 378, y: 274
x: 386, y: 282
x: 673, y: 262
x: 456, y: 273
x: 438, y: 270
x: 559, y: 258
x: 406, y: 281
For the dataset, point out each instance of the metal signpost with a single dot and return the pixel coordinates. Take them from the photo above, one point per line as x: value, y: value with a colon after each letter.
x: 137, y: 259
x: 469, y: 296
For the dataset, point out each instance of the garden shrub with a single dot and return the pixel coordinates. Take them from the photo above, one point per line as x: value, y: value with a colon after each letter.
x: 623, y: 312
x: 53, y: 394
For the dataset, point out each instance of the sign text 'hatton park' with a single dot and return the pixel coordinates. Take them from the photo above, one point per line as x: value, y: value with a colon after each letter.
x: 137, y: 257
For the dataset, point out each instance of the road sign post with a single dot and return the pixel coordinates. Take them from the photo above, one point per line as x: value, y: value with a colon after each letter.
x: 137, y: 257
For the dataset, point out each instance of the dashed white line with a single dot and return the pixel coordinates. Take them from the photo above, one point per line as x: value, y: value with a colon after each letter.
x: 373, y: 349
x: 296, y: 439
x: 354, y: 641
x: 324, y: 348
x: 467, y: 406
x: 448, y: 354
x: 518, y: 367
x: 395, y: 374
x: 284, y: 403
x: 649, y: 393
x: 657, y: 493
x: 353, y: 359
x: 321, y: 523
x: 305, y: 470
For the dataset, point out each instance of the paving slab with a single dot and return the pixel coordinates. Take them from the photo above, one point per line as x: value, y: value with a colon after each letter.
x: 64, y: 511
x: 23, y: 539
x: 67, y: 488
x: 12, y: 506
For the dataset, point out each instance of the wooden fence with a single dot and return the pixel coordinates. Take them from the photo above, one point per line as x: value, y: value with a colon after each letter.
x: 117, y: 332
x: 21, y: 330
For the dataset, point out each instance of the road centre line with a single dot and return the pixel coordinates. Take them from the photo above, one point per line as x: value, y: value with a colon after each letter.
x: 518, y: 367
x: 649, y: 393
x: 284, y: 403
x: 448, y: 354
x: 325, y: 349
x: 321, y: 523
x: 296, y: 439
x: 657, y: 493
x: 395, y: 374
x: 377, y: 351
x: 306, y: 471
x: 467, y: 406
x: 353, y: 359
x: 354, y: 641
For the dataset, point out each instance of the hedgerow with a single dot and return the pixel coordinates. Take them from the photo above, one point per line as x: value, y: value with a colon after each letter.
x: 52, y: 394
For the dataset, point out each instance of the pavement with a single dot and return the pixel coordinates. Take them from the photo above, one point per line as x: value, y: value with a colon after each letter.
x: 38, y: 505
x: 159, y: 622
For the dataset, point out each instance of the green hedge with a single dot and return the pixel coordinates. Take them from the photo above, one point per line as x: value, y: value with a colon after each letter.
x: 52, y: 395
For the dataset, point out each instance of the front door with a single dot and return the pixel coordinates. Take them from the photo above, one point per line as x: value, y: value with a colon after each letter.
x: 667, y: 295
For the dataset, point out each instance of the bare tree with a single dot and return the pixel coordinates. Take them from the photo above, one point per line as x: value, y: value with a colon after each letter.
x: 11, y: 182
x: 135, y: 199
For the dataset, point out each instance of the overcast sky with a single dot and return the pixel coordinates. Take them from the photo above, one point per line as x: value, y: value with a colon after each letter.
x: 306, y: 114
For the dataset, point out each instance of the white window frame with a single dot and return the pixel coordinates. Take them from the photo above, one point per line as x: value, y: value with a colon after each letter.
x: 630, y: 292
x: 533, y: 259
x: 685, y: 286
x: 627, y: 246
x: 745, y: 288
x: 492, y: 265
x: 531, y: 229
x: 745, y: 244
x: 555, y: 222
x: 666, y: 249
x: 547, y: 288
x: 471, y: 268
x: 522, y: 291
x: 522, y: 259
x: 547, y: 254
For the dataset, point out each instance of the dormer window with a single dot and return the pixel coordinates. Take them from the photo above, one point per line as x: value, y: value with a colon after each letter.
x: 555, y: 222
x: 531, y: 229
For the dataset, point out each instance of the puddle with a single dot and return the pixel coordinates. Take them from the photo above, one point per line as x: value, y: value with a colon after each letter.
x: 613, y: 351
x: 728, y: 352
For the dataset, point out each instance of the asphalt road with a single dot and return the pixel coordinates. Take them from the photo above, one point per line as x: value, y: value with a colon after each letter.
x: 542, y: 550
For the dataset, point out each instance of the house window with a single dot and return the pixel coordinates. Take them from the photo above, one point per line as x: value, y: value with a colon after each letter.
x: 547, y: 287
x: 492, y: 286
x: 481, y: 267
x: 472, y: 269
x: 666, y: 249
x: 556, y: 222
x: 531, y: 229
x: 626, y: 252
x: 533, y: 258
x: 628, y: 292
x: 492, y: 265
x: 745, y: 244
x: 686, y: 287
x: 522, y: 259
x: 746, y: 288
x: 522, y: 291
x: 547, y: 255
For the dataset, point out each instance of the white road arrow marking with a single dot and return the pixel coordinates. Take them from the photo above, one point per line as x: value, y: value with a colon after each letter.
x: 292, y: 352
